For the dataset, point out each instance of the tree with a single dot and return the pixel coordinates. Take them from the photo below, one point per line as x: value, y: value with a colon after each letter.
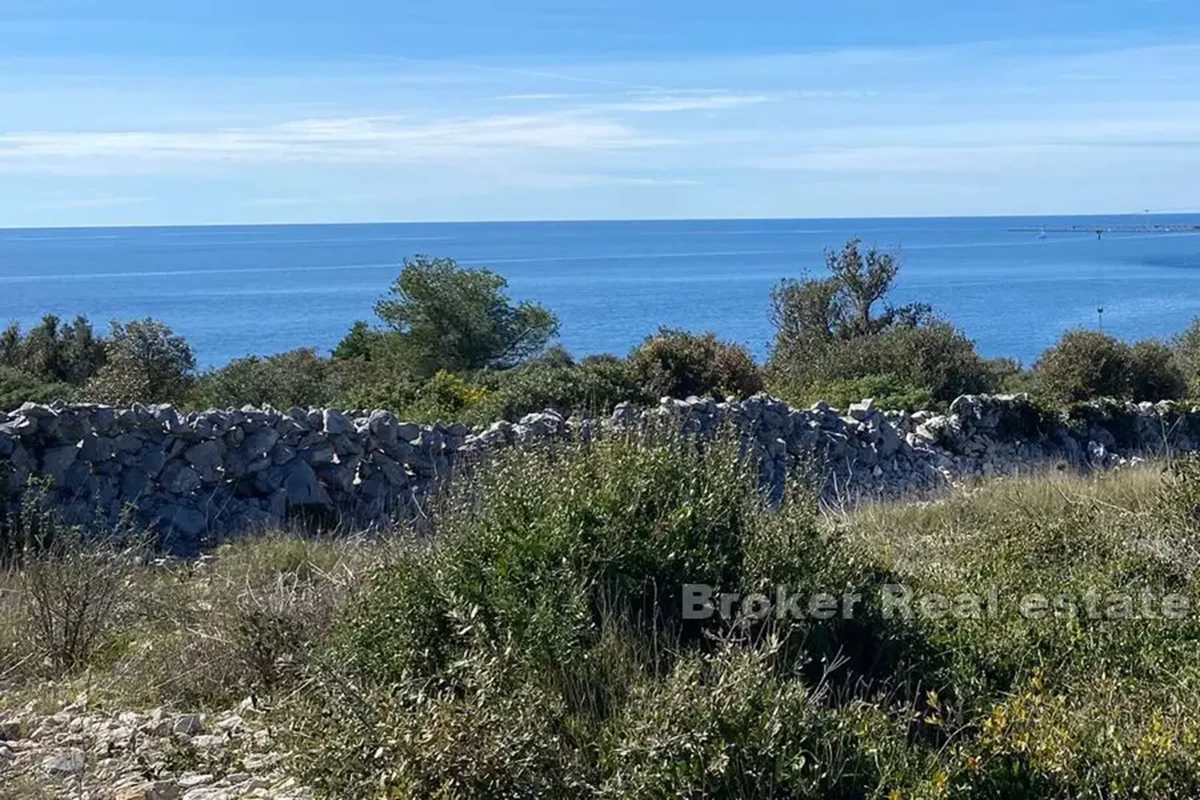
x: 361, y: 342
x: 454, y: 319
x: 54, y: 352
x: 839, y: 332
x: 843, y: 305
x: 147, y: 362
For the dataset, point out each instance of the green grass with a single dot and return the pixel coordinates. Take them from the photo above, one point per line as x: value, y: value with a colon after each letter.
x: 532, y: 641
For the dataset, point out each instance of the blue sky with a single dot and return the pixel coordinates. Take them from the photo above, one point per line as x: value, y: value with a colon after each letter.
x: 123, y: 112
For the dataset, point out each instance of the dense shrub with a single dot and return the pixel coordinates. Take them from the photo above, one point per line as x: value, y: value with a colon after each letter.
x: 593, y: 386
x: 547, y: 608
x: 378, y: 382
x: 675, y: 363
x: 445, y: 396
x: 731, y: 725
x: 888, y: 390
x: 295, y: 378
x: 1083, y: 364
x: 17, y: 387
x: 1186, y: 346
x: 1154, y: 373
x: 561, y: 542
x: 911, y: 368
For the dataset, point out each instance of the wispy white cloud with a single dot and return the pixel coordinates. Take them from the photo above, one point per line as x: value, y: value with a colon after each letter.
x: 94, y: 201
x: 536, y: 96
x: 667, y: 102
x: 581, y: 181
x: 334, y: 140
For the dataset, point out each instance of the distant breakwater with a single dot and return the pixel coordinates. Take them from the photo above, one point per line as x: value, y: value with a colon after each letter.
x: 196, y: 478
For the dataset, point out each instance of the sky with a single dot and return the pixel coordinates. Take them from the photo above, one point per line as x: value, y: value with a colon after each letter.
x: 141, y: 112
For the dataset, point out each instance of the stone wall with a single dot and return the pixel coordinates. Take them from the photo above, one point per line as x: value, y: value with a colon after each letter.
x: 194, y: 477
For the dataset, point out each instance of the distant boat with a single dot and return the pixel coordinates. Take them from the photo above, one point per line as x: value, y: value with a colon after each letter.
x: 1042, y: 235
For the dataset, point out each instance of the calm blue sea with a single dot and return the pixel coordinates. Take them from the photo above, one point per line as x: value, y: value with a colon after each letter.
x: 264, y: 289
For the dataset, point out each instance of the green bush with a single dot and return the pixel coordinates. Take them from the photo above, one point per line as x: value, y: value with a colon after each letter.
x: 1083, y: 364
x: 286, y: 380
x: 547, y: 607
x: 1086, y: 365
x: 381, y: 382
x: 1154, y: 373
x: 445, y: 396
x: 676, y: 363
x: 730, y: 725
x: 17, y: 387
x: 593, y: 386
x: 551, y: 549
x: 905, y: 367
x: 1186, y: 346
x: 888, y: 391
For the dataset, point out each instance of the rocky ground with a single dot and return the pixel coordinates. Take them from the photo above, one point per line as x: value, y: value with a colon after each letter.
x: 75, y: 752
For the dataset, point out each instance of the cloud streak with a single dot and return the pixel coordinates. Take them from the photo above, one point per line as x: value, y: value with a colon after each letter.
x: 330, y: 140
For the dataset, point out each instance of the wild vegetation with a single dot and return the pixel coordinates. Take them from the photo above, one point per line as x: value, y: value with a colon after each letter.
x: 538, y: 643
x: 450, y: 344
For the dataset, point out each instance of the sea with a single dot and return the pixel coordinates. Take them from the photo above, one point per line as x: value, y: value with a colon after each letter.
x: 1012, y: 284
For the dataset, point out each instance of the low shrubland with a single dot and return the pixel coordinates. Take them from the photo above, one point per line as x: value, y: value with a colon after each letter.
x: 1018, y: 639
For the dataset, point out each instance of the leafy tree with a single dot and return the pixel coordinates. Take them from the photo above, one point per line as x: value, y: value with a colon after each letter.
x: 147, y: 362
x: 54, y: 352
x: 677, y: 363
x: 840, y: 334
x: 844, y: 304
x: 454, y: 319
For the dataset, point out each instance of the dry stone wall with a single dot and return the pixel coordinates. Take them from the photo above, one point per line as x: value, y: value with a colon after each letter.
x: 195, y: 477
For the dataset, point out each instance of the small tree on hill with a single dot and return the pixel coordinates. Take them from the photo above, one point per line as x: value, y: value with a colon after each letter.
x: 455, y: 319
